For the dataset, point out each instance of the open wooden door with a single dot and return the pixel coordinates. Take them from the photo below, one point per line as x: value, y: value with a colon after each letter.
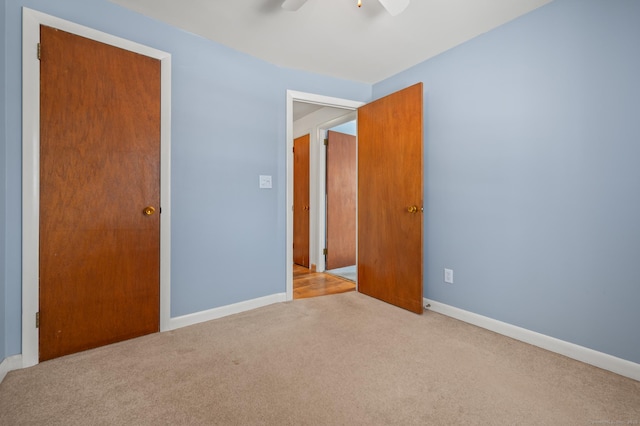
x: 390, y: 259
x: 341, y: 200
x: 99, y: 194
x: 301, y: 201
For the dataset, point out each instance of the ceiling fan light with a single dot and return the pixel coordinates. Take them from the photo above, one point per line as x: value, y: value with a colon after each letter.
x: 395, y: 7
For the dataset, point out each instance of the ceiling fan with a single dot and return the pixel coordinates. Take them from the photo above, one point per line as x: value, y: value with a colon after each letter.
x: 394, y: 7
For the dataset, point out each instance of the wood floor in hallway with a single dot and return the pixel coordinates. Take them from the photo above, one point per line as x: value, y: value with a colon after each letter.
x: 313, y: 284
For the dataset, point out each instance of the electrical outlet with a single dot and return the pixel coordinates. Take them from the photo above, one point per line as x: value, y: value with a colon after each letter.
x: 448, y: 276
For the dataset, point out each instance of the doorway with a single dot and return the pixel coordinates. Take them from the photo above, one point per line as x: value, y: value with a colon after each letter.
x: 306, y: 104
x: 389, y: 219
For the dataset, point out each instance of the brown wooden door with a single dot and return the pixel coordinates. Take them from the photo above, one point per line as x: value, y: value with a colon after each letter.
x: 341, y: 200
x: 99, y: 168
x: 301, y: 201
x: 389, y: 188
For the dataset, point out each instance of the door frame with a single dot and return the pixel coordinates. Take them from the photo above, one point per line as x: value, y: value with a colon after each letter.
x: 31, y: 21
x: 312, y: 98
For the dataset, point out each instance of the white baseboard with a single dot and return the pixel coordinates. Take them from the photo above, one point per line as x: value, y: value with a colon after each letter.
x: 580, y: 353
x: 11, y: 363
x: 224, y: 311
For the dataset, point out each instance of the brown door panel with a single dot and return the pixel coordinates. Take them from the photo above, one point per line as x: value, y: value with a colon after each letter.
x: 341, y: 200
x: 390, y: 132
x: 301, y: 200
x: 99, y: 168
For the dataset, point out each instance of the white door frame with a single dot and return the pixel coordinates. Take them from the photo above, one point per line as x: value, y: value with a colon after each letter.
x: 31, y: 21
x: 313, y: 99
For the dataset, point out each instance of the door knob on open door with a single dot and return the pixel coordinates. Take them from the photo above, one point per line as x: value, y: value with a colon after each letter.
x: 148, y: 211
x: 413, y: 209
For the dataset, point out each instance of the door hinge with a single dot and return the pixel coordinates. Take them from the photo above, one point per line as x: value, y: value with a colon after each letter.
x: 326, y: 142
x: 37, y: 319
x: 324, y: 251
x: 39, y: 51
x: 294, y: 150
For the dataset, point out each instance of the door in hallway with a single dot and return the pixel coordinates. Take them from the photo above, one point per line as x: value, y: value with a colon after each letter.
x: 390, y: 199
x: 301, y: 201
x: 341, y: 200
x: 99, y: 194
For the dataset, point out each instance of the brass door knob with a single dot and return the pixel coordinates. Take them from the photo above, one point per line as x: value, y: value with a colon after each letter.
x: 148, y: 211
x: 413, y: 209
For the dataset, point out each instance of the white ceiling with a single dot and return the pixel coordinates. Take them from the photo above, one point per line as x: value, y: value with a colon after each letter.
x: 335, y: 37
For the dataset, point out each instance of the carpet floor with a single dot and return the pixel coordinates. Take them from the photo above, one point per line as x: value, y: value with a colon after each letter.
x: 345, y: 359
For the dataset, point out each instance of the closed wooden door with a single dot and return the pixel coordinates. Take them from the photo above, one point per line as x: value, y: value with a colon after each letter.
x: 99, y: 170
x: 341, y: 200
x: 390, y: 199
x: 301, y: 201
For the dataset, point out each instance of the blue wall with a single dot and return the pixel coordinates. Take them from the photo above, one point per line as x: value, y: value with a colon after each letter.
x: 532, y: 173
x: 3, y: 180
x: 228, y: 127
x: 349, y: 128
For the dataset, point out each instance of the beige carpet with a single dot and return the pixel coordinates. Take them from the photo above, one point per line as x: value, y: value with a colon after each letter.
x: 334, y: 360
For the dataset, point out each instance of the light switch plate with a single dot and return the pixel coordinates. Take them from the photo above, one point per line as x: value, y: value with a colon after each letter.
x: 265, y: 181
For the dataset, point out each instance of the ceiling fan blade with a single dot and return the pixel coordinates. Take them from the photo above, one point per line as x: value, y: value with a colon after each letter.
x: 394, y: 7
x: 292, y: 5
